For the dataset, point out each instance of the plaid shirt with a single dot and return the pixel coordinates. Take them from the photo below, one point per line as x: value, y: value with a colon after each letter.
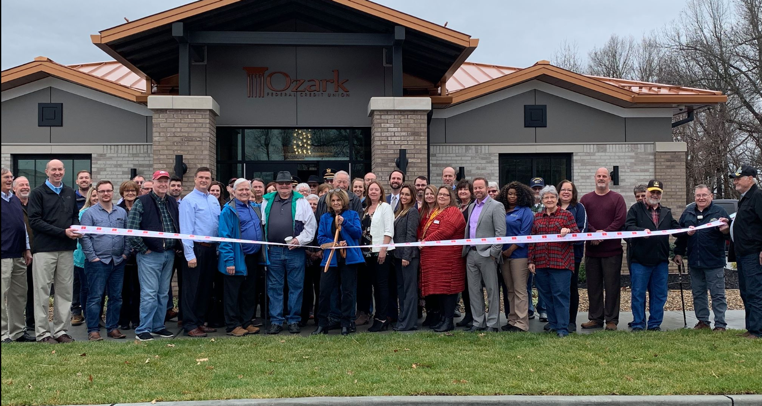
x: 134, y: 220
x: 555, y: 255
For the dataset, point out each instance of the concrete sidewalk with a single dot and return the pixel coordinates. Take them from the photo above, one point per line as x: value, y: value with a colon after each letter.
x: 673, y: 320
x: 708, y: 400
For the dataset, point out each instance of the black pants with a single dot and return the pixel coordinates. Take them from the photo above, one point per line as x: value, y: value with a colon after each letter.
x: 29, y: 300
x: 130, y: 312
x: 381, y: 276
x: 407, y: 292
x: 177, y: 269
x: 346, y: 276
x: 443, y: 304
x: 574, y: 294
x: 364, y: 289
x: 240, y: 295
x: 197, y: 282
x: 261, y: 293
x: 311, y: 291
x: 76, y: 302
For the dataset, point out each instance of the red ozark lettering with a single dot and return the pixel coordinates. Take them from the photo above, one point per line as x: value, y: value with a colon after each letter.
x: 258, y: 81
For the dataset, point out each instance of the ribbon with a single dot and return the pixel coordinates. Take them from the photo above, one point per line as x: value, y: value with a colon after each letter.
x: 523, y: 239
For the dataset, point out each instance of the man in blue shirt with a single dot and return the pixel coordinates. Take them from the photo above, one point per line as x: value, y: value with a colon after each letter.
x: 104, y: 268
x: 239, y: 262
x: 199, y: 215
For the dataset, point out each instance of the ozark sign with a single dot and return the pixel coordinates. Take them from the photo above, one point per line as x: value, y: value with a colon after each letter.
x: 260, y: 84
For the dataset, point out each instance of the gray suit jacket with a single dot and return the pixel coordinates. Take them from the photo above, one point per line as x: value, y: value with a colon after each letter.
x: 491, y: 223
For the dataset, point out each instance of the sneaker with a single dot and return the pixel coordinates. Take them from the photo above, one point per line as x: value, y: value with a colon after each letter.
x: 611, y: 326
x: 531, y: 316
x: 77, y: 320
x: 94, y: 336
x: 702, y: 326
x: 543, y: 317
x: 294, y: 328
x: 275, y: 329
x: 144, y: 337
x: 654, y: 329
x: 64, y: 339
x: 237, y: 332
x: 251, y: 330
x: 637, y: 329
x: 164, y: 333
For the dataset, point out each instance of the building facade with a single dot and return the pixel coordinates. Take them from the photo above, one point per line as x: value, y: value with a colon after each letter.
x: 251, y: 88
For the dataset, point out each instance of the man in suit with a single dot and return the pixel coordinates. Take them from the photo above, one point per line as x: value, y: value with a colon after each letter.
x: 486, y: 219
x: 396, y: 179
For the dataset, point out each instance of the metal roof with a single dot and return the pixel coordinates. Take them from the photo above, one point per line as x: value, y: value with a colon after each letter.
x: 114, y: 72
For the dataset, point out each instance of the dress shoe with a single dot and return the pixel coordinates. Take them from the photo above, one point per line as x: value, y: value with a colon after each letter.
x: 352, y: 328
x: 379, y: 325
x: 77, y: 320
x: 319, y: 330
x: 206, y: 329
x: 171, y: 314
x: 654, y: 329
x: 440, y: 324
x: 506, y: 327
x: 543, y: 317
x: 745, y: 335
x: 333, y: 324
x: 457, y: 313
x: 26, y: 338
x: 48, y: 340
x: 294, y: 328
x: 257, y: 322
x: 475, y: 329
x: 125, y: 327
x: 752, y: 337
x: 611, y: 326
x: 94, y: 336
x: 702, y: 326
x: 572, y: 328
x: 719, y: 329
x: 115, y: 333
x: 362, y: 319
x: 432, y: 318
x: 492, y: 330
x: 546, y: 327
x: 196, y: 332
x: 251, y: 330
x: 448, y: 325
x: 466, y: 321
x: 302, y: 323
x: 65, y: 338
x: 7, y: 341
x: 237, y: 332
x: 514, y: 329
x: 591, y: 324
x: 531, y: 316
x: 345, y: 331
x: 275, y: 329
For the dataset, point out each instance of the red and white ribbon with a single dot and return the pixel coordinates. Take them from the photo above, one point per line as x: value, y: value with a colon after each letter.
x: 523, y: 239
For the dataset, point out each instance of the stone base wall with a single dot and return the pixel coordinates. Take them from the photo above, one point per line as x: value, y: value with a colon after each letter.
x: 477, y: 160
x: 115, y: 162
x: 670, y: 169
x: 392, y: 130
x: 190, y: 133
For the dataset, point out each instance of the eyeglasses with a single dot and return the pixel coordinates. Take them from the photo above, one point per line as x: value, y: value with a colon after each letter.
x: 105, y: 191
x: 130, y: 191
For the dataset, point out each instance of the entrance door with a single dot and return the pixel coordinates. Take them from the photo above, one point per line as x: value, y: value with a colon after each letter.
x: 553, y: 168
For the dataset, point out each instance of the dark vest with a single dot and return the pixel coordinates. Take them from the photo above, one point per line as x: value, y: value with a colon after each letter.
x: 152, y: 220
x: 13, y: 232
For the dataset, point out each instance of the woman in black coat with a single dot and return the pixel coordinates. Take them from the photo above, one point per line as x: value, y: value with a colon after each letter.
x: 406, y: 221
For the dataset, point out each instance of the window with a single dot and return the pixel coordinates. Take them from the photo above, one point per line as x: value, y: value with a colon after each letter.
x: 33, y: 167
x: 553, y: 168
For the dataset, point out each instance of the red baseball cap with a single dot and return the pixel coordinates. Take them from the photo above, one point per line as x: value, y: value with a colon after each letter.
x: 160, y: 174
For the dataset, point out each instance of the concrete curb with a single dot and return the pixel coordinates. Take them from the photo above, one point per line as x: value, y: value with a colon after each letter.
x: 698, y: 400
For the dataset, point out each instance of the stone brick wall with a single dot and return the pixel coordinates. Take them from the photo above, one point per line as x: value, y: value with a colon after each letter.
x: 5, y: 161
x: 190, y: 133
x: 476, y: 159
x: 670, y: 169
x: 392, y: 130
x: 115, y: 161
x: 635, y: 161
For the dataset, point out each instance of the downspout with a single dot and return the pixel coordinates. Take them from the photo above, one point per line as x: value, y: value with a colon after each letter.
x: 684, y: 121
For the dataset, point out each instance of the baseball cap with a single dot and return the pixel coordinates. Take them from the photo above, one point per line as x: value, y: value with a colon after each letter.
x: 537, y: 182
x: 654, y: 184
x: 160, y: 174
x: 744, y: 170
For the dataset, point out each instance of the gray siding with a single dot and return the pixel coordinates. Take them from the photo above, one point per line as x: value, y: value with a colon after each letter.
x: 84, y: 121
x: 568, y: 122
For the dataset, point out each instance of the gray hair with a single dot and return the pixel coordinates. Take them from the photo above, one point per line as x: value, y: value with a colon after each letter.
x: 341, y: 173
x: 313, y: 197
x: 702, y: 186
x: 4, y: 171
x: 492, y: 184
x: 17, y: 180
x: 548, y: 189
x: 639, y: 189
x: 240, y: 181
x: 302, y: 185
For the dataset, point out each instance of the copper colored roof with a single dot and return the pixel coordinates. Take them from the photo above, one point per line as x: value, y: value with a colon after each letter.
x: 113, y: 71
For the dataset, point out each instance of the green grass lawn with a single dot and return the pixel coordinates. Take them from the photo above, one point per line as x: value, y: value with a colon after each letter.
x: 677, y: 362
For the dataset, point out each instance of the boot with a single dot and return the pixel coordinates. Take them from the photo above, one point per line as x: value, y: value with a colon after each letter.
x: 447, y: 325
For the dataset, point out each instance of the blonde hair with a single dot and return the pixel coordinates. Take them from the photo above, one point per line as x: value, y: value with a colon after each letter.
x: 88, y: 199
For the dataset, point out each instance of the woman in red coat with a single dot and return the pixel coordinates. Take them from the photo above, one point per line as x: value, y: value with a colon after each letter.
x: 443, y: 273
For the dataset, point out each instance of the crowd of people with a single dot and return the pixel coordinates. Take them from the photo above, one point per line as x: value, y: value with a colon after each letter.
x: 325, y: 250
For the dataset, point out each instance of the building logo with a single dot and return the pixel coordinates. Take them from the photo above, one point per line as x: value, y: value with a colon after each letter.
x: 260, y: 84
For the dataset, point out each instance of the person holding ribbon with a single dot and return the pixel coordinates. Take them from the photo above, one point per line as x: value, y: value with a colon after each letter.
x: 552, y: 261
x: 340, y: 226
x: 443, y: 269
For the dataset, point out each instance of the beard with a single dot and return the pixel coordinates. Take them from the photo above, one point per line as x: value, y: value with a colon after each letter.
x: 653, y: 202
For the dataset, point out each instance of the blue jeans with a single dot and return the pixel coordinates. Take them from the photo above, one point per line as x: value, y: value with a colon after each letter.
x: 553, y: 286
x: 651, y: 279
x: 540, y: 308
x: 750, y: 285
x: 714, y: 280
x: 154, y: 274
x: 286, y: 266
x: 100, y: 277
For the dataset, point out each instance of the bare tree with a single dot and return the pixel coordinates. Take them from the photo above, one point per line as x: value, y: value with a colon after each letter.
x: 616, y: 58
x: 567, y: 57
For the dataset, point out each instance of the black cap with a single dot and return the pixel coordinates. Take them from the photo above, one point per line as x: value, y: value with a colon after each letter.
x: 654, y: 184
x: 313, y: 179
x: 744, y: 170
x: 283, y: 176
x: 537, y: 182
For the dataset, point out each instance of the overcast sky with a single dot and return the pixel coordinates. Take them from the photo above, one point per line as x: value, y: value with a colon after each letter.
x: 511, y: 33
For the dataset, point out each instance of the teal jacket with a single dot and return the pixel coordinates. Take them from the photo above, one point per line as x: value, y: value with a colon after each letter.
x: 231, y: 253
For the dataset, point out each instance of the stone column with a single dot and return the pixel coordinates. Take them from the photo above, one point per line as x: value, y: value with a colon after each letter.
x: 184, y: 125
x: 399, y: 123
x: 670, y: 168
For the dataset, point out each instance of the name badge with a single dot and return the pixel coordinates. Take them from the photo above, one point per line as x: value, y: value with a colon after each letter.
x: 700, y: 217
x: 436, y: 221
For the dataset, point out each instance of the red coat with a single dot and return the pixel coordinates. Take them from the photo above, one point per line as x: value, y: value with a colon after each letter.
x: 443, y: 269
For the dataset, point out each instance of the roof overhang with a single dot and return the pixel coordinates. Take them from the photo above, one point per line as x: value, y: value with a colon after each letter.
x: 43, y: 67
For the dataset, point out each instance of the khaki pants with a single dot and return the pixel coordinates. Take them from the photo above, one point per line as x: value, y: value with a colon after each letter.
x: 13, y: 297
x: 49, y: 268
x: 515, y: 275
